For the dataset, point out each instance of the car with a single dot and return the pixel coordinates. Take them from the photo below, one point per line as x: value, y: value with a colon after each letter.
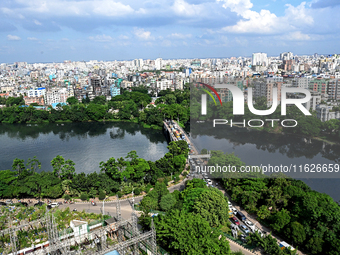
x: 245, y: 229
x: 229, y: 203
x: 53, y: 205
x: 234, y: 210
x: 75, y: 209
x: 250, y: 225
x: 209, y: 182
x: 93, y: 203
x: 243, y: 238
x: 235, y: 220
x: 9, y: 202
x: 39, y: 203
x: 216, y: 184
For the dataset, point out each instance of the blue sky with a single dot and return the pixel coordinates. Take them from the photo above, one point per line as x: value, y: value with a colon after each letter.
x: 57, y: 30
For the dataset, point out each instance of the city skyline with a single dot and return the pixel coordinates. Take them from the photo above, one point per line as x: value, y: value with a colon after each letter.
x: 76, y: 30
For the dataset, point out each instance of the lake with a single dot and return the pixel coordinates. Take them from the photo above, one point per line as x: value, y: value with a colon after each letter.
x: 87, y: 144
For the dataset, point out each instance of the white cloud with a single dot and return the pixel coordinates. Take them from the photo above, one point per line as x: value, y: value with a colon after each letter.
x: 101, y: 38
x: 123, y: 37
x: 166, y: 43
x: 299, y: 36
x: 238, y: 6
x: 32, y: 39
x: 65, y: 39
x: 179, y: 36
x: 142, y: 34
x: 110, y: 8
x: 37, y: 22
x: 266, y: 22
x: 180, y: 7
x: 13, y: 38
x: 72, y: 7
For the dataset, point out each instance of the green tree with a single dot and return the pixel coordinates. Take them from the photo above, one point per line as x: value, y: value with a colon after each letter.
x: 57, y: 165
x: 186, y: 233
x: 212, y: 206
x: 83, y: 196
x: 167, y: 202
x: 72, y: 101
x: 280, y: 220
x: 296, y: 232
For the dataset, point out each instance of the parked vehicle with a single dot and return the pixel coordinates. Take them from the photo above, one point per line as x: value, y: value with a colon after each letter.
x: 246, y: 230
x: 39, y: 203
x: 243, y: 238
x: 54, y: 205
x: 9, y: 202
x: 235, y: 221
x: 241, y: 216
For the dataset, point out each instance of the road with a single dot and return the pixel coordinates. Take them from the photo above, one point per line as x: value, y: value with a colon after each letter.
x: 110, y: 207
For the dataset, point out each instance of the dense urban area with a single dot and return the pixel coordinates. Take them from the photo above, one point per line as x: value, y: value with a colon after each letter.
x: 173, y: 208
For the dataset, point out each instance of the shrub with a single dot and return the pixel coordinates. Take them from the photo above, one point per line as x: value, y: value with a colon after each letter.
x: 148, y: 187
x: 137, y: 191
x: 67, y: 197
x: 83, y: 196
x: 119, y: 194
x: 102, y: 195
x: 166, y: 180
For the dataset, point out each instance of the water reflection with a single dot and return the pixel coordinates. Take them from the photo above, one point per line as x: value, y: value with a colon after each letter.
x: 85, y: 143
x: 288, y: 145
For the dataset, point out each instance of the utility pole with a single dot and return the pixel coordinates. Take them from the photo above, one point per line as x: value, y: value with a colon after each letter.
x: 103, y: 205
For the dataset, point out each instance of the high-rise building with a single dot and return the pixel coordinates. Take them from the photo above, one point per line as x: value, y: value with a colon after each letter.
x: 259, y: 59
x: 158, y: 63
x: 138, y: 62
x: 286, y: 56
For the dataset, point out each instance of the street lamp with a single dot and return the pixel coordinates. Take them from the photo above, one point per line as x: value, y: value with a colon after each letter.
x: 103, y: 205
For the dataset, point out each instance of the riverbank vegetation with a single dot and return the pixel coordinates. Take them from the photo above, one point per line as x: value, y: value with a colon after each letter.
x: 117, y: 176
x: 305, y: 218
x: 129, y: 106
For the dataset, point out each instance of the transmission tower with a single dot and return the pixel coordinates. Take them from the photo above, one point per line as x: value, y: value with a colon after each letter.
x: 12, y: 235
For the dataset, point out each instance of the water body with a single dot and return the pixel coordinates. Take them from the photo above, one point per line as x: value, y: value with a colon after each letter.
x: 87, y: 144
x: 256, y: 148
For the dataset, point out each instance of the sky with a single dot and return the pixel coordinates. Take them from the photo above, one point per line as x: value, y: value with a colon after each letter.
x: 77, y: 30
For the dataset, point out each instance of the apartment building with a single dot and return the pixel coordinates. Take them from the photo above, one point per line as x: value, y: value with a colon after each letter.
x: 325, y: 113
x: 318, y: 85
x: 30, y: 100
x: 55, y: 95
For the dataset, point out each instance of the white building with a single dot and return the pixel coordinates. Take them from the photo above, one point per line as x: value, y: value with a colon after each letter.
x: 286, y: 56
x: 325, y: 113
x: 36, y: 92
x: 55, y: 95
x: 158, y: 64
x: 165, y: 84
x: 259, y: 59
